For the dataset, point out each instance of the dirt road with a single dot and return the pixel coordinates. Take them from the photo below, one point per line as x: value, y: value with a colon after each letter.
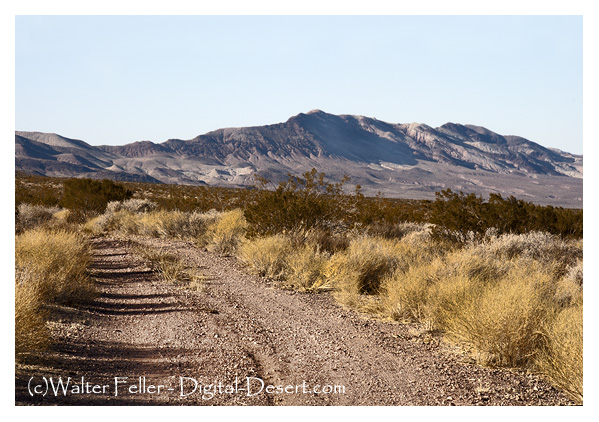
x: 143, y: 341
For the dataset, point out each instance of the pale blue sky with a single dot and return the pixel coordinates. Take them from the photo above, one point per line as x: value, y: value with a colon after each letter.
x: 114, y: 80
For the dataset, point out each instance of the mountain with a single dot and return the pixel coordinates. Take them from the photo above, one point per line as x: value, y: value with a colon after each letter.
x: 399, y: 160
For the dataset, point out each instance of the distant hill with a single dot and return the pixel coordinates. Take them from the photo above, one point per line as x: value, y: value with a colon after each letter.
x: 399, y: 160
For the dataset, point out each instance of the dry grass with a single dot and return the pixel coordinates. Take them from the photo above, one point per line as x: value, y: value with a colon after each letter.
x: 508, y: 303
x: 501, y: 319
x: 50, y: 266
x: 561, y: 360
x: 224, y: 235
x: 57, y: 262
x: 31, y: 333
x: 549, y: 249
x: 296, y: 265
x: 32, y: 216
x: 134, y: 205
x: 305, y: 267
x: 163, y: 224
x: 267, y: 256
x: 358, y: 273
x: 171, y: 268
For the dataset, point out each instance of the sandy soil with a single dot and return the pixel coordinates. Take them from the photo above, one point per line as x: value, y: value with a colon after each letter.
x: 241, y: 327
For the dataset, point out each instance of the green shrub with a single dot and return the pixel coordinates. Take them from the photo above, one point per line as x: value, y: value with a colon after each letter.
x: 463, y: 217
x: 296, y: 204
x: 87, y: 195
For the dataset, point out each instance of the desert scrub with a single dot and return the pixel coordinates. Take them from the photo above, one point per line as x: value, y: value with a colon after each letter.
x: 267, y: 256
x: 283, y: 258
x: 561, y: 358
x: 31, y: 216
x: 547, y: 248
x: 407, y: 292
x: 225, y: 234
x: 157, y: 223
x: 50, y: 266
x: 134, y: 205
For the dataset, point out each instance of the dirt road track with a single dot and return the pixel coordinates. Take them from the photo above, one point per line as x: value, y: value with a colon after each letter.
x: 240, y: 327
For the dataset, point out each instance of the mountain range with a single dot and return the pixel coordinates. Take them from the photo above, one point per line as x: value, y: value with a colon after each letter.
x: 399, y: 160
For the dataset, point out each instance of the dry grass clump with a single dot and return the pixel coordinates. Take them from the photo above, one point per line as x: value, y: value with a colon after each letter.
x: 50, y: 266
x: 224, y: 235
x: 171, y: 268
x: 267, y: 256
x: 510, y: 309
x: 122, y: 221
x: 325, y: 240
x: 31, y: 333
x: 501, y: 319
x: 361, y: 269
x: 561, y: 358
x: 304, y: 267
x: 164, y: 224
x: 297, y: 266
x: 496, y: 306
x: 57, y: 262
x: 219, y: 231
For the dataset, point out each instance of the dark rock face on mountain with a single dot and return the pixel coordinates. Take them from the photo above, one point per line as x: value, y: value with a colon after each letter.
x: 400, y: 160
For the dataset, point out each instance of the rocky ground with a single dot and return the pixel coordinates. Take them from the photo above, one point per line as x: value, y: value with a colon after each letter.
x: 143, y: 341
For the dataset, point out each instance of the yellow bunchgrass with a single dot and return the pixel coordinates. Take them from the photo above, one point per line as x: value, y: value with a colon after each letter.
x: 267, y: 256
x: 57, y: 262
x: 31, y: 333
x: 224, y: 235
x: 50, y: 266
x: 360, y: 271
x: 561, y: 360
x: 304, y: 267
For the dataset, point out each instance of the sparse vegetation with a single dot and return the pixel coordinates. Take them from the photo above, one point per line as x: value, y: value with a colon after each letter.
x: 171, y: 268
x: 502, y: 277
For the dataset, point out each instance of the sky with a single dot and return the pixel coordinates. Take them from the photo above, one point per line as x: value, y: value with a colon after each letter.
x: 119, y: 79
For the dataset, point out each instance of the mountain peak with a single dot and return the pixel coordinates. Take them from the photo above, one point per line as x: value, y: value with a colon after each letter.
x: 410, y: 160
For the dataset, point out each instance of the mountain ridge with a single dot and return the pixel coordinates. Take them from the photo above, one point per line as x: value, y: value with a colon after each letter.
x: 411, y: 160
